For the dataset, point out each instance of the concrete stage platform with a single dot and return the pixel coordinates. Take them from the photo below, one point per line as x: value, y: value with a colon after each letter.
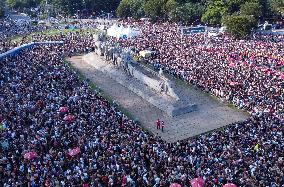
x: 145, y: 83
x: 205, y: 114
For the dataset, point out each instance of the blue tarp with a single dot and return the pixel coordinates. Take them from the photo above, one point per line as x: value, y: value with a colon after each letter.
x: 16, y: 50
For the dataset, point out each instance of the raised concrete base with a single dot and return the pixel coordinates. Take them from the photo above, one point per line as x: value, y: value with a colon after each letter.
x: 167, y: 104
x: 176, y: 111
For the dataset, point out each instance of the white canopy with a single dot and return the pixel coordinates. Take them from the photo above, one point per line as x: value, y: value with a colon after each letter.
x: 122, y: 32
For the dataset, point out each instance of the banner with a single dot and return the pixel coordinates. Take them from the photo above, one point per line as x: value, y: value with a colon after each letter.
x: 15, y: 51
x: 192, y: 30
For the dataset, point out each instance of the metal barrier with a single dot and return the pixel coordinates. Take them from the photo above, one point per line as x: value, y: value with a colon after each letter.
x: 14, y: 51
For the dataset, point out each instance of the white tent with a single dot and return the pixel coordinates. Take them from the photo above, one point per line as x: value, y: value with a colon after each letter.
x: 112, y: 30
x: 122, y: 32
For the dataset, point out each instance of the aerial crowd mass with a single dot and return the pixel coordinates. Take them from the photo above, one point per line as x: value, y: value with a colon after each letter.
x: 57, y: 131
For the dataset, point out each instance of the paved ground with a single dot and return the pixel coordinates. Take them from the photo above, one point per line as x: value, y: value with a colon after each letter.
x: 211, y: 114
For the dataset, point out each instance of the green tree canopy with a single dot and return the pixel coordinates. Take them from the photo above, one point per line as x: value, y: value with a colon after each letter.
x: 68, y: 6
x: 276, y: 7
x: 234, y: 5
x: 22, y: 4
x: 171, y: 5
x: 240, y: 26
x: 251, y: 8
x: 130, y: 8
x: 123, y: 9
x: 187, y: 13
x: 214, y: 13
x: 155, y: 9
x: 2, y: 8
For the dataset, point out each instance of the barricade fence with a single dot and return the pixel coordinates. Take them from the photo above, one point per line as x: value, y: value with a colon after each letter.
x: 16, y: 50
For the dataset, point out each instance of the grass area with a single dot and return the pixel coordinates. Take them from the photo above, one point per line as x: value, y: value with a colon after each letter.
x: 53, y: 32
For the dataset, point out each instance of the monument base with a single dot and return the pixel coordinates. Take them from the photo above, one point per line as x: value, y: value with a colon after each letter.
x: 165, y: 103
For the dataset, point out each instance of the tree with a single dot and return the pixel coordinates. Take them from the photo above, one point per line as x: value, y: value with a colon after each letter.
x: 11, y: 3
x: 123, y: 9
x: 214, y: 13
x: 2, y: 8
x: 130, y: 8
x: 240, y: 26
x: 170, y: 6
x: 276, y: 7
x: 251, y: 8
x: 22, y: 4
x: 193, y: 12
x: 137, y: 10
x: 155, y: 9
x: 234, y: 5
x: 186, y: 13
x: 172, y: 10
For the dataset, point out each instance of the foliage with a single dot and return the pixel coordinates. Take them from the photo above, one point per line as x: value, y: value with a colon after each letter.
x: 123, y: 9
x: 240, y: 26
x: 194, y: 12
x: 210, y: 12
x: 137, y: 10
x: 21, y: 4
x: 234, y: 6
x: 155, y: 9
x: 214, y: 13
x: 130, y: 8
x: 251, y: 8
x: 2, y: 8
x: 276, y: 7
x: 68, y: 6
x: 170, y: 6
x: 187, y: 13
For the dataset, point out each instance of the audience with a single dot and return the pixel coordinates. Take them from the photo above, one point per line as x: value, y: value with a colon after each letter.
x: 249, y: 73
x: 56, y: 131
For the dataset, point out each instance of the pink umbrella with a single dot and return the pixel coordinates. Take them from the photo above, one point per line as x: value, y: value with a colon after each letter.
x: 175, y: 185
x: 197, y: 182
x: 229, y: 185
x: 30, y: 155
x: 74, y: 151
x: 63, y: 109
x: 281, y: 76
x: 69, y: 118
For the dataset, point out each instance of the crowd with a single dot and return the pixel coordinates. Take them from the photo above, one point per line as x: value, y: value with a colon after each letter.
x: 10, y: 28
x: 56, y: 131
x: 249, y: 73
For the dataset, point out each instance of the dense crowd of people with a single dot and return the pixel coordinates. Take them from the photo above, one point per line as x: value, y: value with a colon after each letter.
x: 10, y: 28
x: 249, y: 73
x: 56, y: 131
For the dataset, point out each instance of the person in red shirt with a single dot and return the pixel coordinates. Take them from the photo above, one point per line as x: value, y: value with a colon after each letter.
x: 158, y: 124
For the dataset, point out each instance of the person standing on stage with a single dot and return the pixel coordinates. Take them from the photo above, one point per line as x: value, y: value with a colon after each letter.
x: 158, y: 124
x: 163, y: 125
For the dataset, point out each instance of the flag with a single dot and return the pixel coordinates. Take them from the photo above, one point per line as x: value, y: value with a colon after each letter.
x: 256, y: 147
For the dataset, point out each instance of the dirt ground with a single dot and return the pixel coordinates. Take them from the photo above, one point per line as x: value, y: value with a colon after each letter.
x: 211, y: 113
